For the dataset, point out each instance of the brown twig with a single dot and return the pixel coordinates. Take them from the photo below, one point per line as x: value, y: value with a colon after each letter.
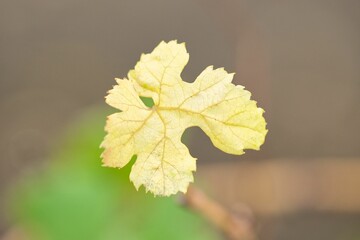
x: 232, y: 225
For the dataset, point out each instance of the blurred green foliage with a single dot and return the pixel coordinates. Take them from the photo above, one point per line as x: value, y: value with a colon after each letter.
x: 73, y: 197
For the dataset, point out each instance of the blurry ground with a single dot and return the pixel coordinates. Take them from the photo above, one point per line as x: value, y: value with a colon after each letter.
x: 300, y: 59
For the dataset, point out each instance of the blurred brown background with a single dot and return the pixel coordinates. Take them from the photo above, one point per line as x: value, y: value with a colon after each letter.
x: 300, y: 59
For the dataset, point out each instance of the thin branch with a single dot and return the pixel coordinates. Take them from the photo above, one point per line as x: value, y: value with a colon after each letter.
x: 231, y: 224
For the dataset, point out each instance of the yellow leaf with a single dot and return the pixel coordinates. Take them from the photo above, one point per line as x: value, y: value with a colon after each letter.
x: 222, y: 110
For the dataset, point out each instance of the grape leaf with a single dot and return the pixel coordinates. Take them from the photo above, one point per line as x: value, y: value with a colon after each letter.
x: 164, y: 165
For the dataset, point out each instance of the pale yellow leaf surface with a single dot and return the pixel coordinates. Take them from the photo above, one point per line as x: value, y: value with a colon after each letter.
x: 222, y: 110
